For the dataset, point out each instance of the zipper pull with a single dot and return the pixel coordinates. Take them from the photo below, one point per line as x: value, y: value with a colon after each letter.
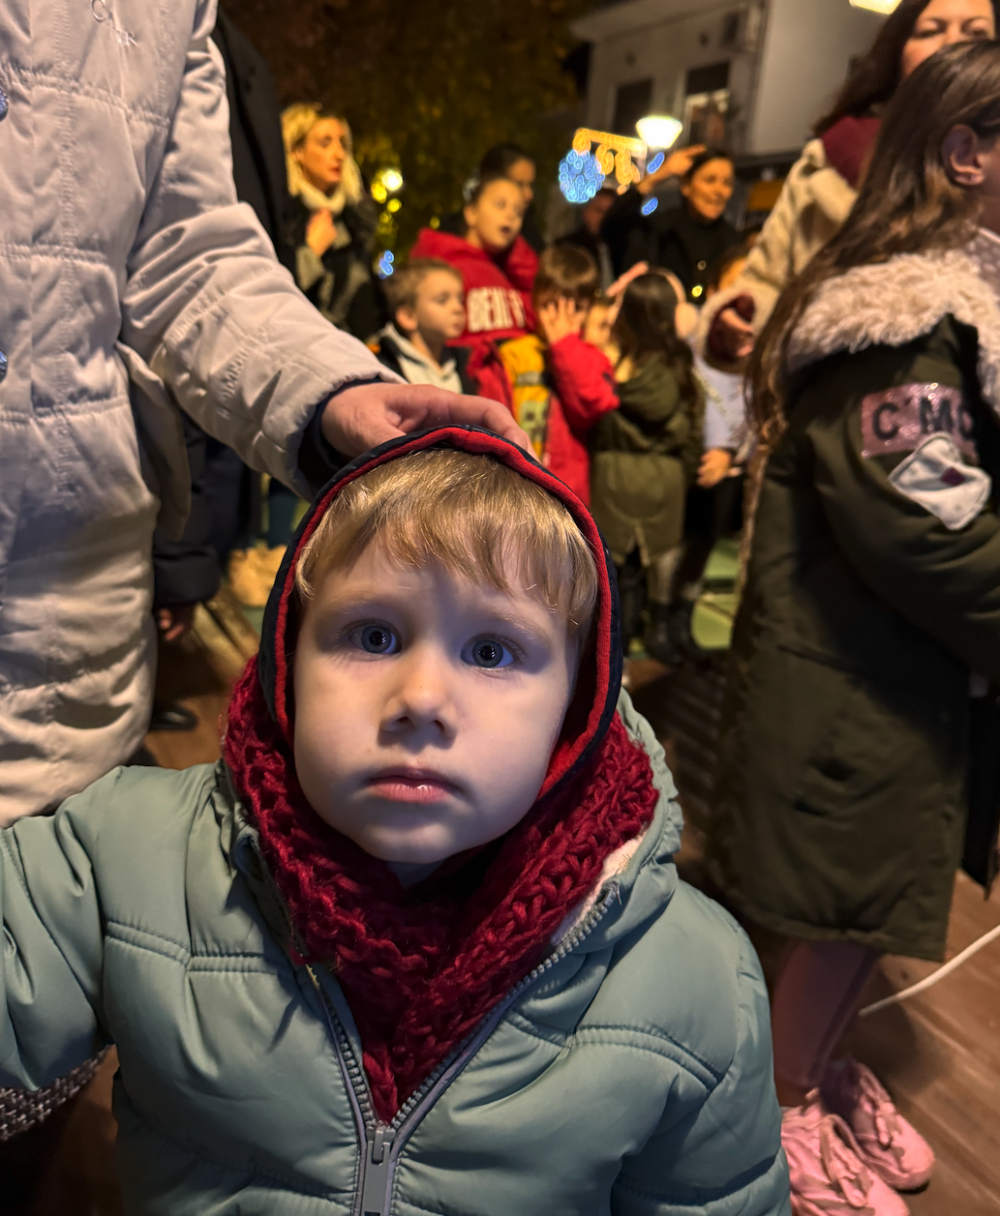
x: 374, y: 1194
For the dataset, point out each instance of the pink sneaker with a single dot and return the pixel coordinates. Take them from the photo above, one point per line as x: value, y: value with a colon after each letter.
x: 827, y: 1174
x: 889, y: 1144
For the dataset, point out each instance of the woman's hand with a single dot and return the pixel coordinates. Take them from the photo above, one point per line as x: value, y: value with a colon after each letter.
x: 675, y: 165
x: 732, y: 337
x: 560, y: 318
x: 715, y: 465
x: 321, y: 231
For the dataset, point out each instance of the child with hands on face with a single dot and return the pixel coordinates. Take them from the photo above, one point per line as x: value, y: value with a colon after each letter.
x: 560, y: 383
x: 419, y: 943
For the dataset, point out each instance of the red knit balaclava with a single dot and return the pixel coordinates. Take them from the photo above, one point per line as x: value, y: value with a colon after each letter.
x: 421, y: 969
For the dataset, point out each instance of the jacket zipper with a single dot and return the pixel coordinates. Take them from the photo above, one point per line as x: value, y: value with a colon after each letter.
x: 381, y: 1143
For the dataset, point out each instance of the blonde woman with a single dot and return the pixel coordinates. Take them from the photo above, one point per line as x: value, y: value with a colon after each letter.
x: 334, y: 220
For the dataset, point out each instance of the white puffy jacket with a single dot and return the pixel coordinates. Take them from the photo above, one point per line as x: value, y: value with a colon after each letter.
x: 126, y: 265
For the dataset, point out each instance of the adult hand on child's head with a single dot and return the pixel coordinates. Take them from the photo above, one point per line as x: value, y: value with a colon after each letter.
x: 364, y: 415
x: 715, y: 465
x: 560, y: 318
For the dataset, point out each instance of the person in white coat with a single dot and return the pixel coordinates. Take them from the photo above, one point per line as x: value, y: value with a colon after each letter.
x: 134, y: 284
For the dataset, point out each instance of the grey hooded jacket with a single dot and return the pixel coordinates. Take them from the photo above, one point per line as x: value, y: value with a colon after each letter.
x: 630, y: 1073
x: 127, y: 269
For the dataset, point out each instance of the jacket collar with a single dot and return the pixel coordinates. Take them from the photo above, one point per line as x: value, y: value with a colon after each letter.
x: 895, y: 302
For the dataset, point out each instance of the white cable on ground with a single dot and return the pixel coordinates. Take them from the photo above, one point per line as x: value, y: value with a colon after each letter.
x: 931, y: 980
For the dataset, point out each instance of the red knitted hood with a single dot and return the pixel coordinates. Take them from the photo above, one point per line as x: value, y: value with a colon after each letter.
x: 422, y: 968
x: 599, y: 681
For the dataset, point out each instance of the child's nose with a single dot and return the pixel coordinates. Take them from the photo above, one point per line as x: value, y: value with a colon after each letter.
x: 423, y: 696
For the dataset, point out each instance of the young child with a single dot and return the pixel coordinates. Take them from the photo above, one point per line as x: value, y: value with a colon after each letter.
x: 560, y: 384
x: 644, y: 455
x: 419, y: 944
x: 498, y: 268
x: 425, y: 298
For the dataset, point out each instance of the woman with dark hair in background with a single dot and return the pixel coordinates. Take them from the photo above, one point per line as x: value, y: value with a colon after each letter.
x: 511, y: 161
x: 857, y: 750
x: 686, y: 240
x: 822, y: 186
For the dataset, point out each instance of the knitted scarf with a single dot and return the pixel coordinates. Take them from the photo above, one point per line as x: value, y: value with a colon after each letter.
x: 421, y: 969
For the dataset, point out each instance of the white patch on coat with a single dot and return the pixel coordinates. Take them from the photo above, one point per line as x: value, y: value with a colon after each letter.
x: 936, y: 477
x: 614, y: 864
x: 895, y: 302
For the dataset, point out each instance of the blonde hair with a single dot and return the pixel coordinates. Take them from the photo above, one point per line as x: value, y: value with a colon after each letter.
x: 296, y: 123
x: 471, y: 514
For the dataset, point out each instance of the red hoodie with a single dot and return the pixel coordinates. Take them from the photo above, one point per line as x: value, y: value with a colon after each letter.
x: 497, y: 299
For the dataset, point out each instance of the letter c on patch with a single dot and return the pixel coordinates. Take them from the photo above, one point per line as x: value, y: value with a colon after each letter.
x: 878, y: 420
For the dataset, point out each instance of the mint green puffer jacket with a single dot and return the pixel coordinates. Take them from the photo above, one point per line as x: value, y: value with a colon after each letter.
x: 630, y: 1073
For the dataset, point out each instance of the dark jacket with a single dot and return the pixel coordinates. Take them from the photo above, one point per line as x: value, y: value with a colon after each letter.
x: 845, y: 747
x: 341, y: 283
x: 255, y: 131
x: 386, y: 350
x: 644, y: 455
x: 671, y: 239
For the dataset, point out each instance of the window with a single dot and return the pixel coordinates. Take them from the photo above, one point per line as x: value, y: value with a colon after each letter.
x: 706, y: 104
x: 632, y: 102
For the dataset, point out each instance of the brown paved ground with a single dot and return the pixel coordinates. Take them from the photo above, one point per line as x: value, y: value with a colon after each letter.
x: 939, y: 1054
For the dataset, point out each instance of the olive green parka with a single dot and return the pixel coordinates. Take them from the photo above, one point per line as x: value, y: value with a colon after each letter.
x: 872, y: 596
x: 644, y: 456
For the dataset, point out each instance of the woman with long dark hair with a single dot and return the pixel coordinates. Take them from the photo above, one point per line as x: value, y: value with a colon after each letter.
x: 851, y: 746
x: 822, y: 186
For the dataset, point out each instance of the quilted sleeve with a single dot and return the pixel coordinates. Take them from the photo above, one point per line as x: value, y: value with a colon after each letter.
x: 724, y: 1158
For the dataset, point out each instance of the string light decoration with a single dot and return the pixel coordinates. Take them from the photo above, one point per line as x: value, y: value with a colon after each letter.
x: 613, y: 154
x: 580, y: 177
x: 385, y: 264
x: 649, y: 206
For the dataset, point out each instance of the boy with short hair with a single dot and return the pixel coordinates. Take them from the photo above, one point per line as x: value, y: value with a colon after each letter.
x: 419, y: 945
x: 426, y: 299
x: 561, y: 384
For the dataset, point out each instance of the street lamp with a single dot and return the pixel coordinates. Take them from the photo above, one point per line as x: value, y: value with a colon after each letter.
x: 659, y: 130
x: 876, y: 6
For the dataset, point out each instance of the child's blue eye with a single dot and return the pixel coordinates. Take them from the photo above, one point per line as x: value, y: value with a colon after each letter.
x: 488, y: 652
x: 376, y: 639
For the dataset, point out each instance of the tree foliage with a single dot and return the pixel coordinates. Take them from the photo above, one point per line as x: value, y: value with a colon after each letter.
x: 427, y: 85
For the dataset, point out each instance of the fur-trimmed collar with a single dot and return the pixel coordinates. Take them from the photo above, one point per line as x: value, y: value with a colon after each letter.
x: 894, y: 302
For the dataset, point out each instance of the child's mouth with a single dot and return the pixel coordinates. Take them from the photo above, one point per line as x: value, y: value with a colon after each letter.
x: 411, y: 785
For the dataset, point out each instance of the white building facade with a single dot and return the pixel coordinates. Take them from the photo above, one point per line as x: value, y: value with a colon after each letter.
x: 751, y: 76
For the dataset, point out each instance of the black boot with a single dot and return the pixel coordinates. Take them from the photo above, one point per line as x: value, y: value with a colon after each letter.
x: 659, y: 638
x: 631, y: 596
x: 680, y: 631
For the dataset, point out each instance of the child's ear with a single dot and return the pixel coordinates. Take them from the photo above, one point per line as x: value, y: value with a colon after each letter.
x: 406, y: 319
x: 469, y: 213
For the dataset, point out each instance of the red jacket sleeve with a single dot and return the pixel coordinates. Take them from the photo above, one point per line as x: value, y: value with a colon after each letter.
x: 584, y: 381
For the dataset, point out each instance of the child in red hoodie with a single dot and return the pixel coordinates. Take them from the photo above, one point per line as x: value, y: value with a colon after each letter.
x: 560, y: 384
x: 498, y: 269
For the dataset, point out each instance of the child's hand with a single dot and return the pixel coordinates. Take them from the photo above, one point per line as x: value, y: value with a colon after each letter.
x: 174, y: 622
x: 560, y: 318
x: 715, y: 464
